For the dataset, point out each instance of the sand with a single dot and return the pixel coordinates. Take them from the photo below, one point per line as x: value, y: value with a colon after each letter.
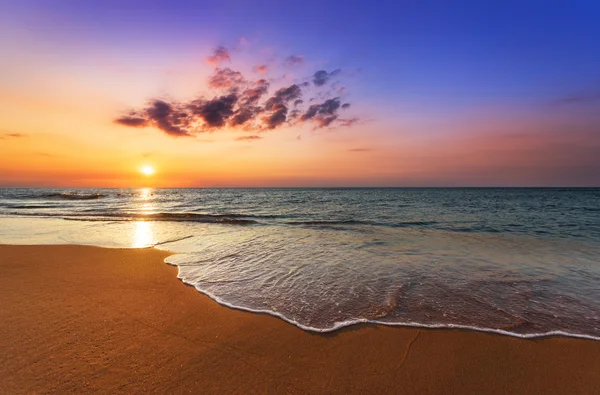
x: 79, y: 319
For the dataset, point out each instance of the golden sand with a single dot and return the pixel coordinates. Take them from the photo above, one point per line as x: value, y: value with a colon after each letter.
x: 79, y: 319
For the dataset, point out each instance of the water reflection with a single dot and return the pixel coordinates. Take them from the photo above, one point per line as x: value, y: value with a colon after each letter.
x: 144, y: 232
x: 145, y: 193
x: 143, y: 235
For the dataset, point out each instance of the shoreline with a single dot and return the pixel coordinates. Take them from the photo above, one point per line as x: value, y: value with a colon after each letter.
x: 82, y: 318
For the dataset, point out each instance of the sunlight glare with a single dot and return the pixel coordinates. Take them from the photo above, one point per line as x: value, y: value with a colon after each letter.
x: 147, y: 170
x: 143, y: 235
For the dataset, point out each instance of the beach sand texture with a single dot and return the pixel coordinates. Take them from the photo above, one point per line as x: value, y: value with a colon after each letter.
x: 78, y: 319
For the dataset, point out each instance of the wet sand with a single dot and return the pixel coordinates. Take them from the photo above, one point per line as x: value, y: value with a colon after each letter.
x: 79, y: 319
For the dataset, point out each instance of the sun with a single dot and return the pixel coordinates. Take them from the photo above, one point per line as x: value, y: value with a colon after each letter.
x: 147, y: 170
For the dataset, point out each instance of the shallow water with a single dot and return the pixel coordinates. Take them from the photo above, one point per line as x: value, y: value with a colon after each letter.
x: 524, y: 262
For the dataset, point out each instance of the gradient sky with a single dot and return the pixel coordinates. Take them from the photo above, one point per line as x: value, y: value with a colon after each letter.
x: 439, y: 93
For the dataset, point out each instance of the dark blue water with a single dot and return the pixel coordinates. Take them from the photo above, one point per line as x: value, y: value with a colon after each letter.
x: 519, y: 261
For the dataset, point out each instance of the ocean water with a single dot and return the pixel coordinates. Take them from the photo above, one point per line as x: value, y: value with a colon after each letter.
x: 522, y: 262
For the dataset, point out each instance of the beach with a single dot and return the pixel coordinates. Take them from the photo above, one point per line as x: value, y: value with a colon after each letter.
x: 80, y: 319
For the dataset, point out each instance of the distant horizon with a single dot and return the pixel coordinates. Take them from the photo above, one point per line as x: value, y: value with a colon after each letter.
x: 323, y: 187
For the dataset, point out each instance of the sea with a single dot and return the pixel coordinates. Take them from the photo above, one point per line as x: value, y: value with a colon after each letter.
x: 523, y: 262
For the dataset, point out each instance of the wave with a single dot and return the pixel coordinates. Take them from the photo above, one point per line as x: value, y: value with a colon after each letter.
x: 405, y: 224
x: 342, y: 324
x: 32, y: 206
x: 229, y: 219
x: 72, y: 196
x: 413, y: 223
x: 325, y: 222
x: 233, y: 219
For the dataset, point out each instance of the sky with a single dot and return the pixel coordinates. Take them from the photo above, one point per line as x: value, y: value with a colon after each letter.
x: 299, y: 94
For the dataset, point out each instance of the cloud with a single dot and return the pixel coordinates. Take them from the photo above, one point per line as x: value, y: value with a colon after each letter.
x: 262, y: 69
x: 276, y: 105
x: 242, y: 103
x: 217, y: 111
x: 589, y: 97
x: 321, y: 77
x: 323, y: 114
x: 220, y: 55
x: 12, y: 135
x: 293, y: 60
x: 226, y: 78
x: 348, y: 122
x: 168, y: 117
x: 254, y: 93
x: 132, y: 121
x: 360, y: 150
x: 248, y: 138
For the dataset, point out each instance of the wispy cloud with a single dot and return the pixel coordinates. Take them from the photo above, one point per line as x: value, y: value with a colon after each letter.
x: 261, y: 68
x: 293, y: 60
x: 360, y: 150
x: 248, y: 138
x: 12, y: 135
x: 579, y: 98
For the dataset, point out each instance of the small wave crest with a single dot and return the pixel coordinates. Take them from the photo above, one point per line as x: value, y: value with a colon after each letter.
x: 72, y: 196
x: 232, y: 219
x: 324, y: 222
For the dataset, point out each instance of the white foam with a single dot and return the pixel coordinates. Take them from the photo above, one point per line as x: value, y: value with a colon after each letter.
x: 343, y: 324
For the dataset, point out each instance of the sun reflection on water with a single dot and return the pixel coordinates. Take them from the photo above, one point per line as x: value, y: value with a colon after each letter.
x: 145, y: 193
x: 146, y: 207
x: 143, y: 235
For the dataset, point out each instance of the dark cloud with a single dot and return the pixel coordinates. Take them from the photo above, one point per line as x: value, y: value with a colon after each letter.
x: 168, y: 118
x: 293, y: 60
x: 220, y: 55
x: 165, y: 116
x: 277, y: 105
x: 254, y: 93
x: 245, y: 115
x: 226, y: 78
x: 248, y: 138
x: 240, y: 103
x: 321, y: 77
x: 284, y: 95
x: 132, y: 121
x: 277, y: 117
x: 324, y: 114
x: 217, y: 111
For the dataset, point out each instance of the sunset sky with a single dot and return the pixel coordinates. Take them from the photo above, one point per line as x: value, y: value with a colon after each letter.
x: 276, y: 93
